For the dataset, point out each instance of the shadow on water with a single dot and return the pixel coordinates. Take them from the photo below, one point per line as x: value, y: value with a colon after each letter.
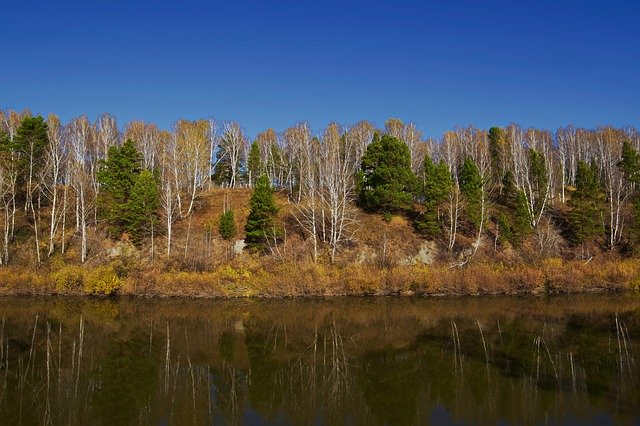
x: 564, y: 359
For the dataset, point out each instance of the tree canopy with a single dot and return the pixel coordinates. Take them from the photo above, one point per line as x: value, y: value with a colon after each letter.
x: 386, y: 182
x: 263, y: 210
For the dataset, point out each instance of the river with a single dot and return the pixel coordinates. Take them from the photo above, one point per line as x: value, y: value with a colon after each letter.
x: 554, y: 359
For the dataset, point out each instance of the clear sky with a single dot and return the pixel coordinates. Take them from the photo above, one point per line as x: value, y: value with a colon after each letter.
x: 274, y: 63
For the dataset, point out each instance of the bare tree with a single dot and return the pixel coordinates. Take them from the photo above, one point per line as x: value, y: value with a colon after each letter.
x: 336, y: 173
x: 54, y: 173
x: 233, y: 145
x: 79, y: 134
x: 191, y: 161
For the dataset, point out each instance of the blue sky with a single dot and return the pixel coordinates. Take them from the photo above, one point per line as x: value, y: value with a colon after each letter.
x: 274, y: 63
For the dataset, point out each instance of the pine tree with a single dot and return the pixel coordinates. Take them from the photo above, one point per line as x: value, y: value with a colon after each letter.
x: 227, y: 225
x: 386, y: 182
x: 496, y: 147
x: 260, y: 222
x: 117, y: 176
x: 471, y: 187
x: 586, y: 205
x: 629, y: 164
x: 29, y: 146
x: 521, y: 220
x: 254, y: 163
x: 505, y: 231
x: 630, y: 167
x: 539, y: 181
x: 437, y: 186
x: 142, y: 208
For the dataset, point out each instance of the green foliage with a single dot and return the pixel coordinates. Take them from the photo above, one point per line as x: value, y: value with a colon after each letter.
x: 254, y: 162
x: 435, y: 190
x: 386, y: 182
x: 227, y: 225
x: 437, y: 181
x: 102, y: 281
x: 586, y: 204
x: 261, y: 215
x: 505, y: 233
x: 521, y: 219
x: 117, y: 176
x: 539, y: 181
x: 630, y: 163
x: 630, y: 167
x: 634, y: 226
x: 142, y: 207
x: 29, y: 146
x: 497, y: 142
x: 471, y: 188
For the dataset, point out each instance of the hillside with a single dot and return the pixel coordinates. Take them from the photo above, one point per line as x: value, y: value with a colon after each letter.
x: 384, y: 257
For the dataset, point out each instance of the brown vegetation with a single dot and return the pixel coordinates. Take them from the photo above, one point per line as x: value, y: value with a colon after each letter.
x: 374, y: 264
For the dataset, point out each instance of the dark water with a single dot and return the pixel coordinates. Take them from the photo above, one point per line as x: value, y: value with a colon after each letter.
x: 570, y: 359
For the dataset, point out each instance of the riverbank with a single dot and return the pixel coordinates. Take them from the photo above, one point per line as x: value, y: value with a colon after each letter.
x: 250, y: 278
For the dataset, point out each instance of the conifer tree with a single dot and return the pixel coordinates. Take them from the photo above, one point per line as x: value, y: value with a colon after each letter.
x: 29, y: 146
x: 505, y: 231
x: 254, y: 164
x: 586, y: 205
x: 386, y: 182
x: 521, y: 220
x: 260, y: 222
x: 142, y: 208
x: 117, y: 176
x: 227, y: 225
x: 630, y: 167
x: 496, y: 148
x: 437, y: 186
x: 471, y: 187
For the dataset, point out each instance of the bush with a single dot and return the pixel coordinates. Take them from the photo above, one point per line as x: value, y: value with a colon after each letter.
x: 227, y: 225
x: 103, y: 281
x: 68, y: 277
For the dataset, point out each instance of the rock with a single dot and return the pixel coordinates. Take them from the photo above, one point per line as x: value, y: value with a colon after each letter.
x: 426, y: 254
x: 123, y: 249
x: 238, y: 246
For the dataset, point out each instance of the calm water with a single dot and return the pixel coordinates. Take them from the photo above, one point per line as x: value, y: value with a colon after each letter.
x: 570, y: 359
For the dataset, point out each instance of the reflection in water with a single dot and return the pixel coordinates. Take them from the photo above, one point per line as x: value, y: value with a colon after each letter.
x: 356, y: 361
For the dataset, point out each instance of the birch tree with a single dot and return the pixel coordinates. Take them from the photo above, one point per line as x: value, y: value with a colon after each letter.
x: 79, y: 136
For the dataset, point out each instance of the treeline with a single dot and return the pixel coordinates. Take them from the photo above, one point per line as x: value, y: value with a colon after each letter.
x: 62, y: 182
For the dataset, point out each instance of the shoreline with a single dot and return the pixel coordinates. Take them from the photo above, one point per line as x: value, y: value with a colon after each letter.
x: 314, y: 281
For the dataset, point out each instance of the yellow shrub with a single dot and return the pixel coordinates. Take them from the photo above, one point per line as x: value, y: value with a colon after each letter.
x: 68, y: 277
x: 102, y: 281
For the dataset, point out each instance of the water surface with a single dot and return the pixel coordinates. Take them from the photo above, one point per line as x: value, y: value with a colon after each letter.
x: 569, y: 359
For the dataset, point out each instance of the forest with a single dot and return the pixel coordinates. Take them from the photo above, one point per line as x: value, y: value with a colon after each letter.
x: 91, y: 207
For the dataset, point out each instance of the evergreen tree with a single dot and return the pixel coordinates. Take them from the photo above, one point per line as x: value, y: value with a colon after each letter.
x: 29, y: 146
x: 539, y: 181
x: 521, y: 224
x: 254, y: 163
x: 437, y: 186
x: 630, y: 167
x: 261, y: 215
x: 142, y: 208
x: 117, y: 176
x: 505, y: 231
x: 629, y: 164
x: 496, y: 147
x: 227, y: 225
x: 586, y: 205
x: 471, y: 187
x: 386, y: 182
